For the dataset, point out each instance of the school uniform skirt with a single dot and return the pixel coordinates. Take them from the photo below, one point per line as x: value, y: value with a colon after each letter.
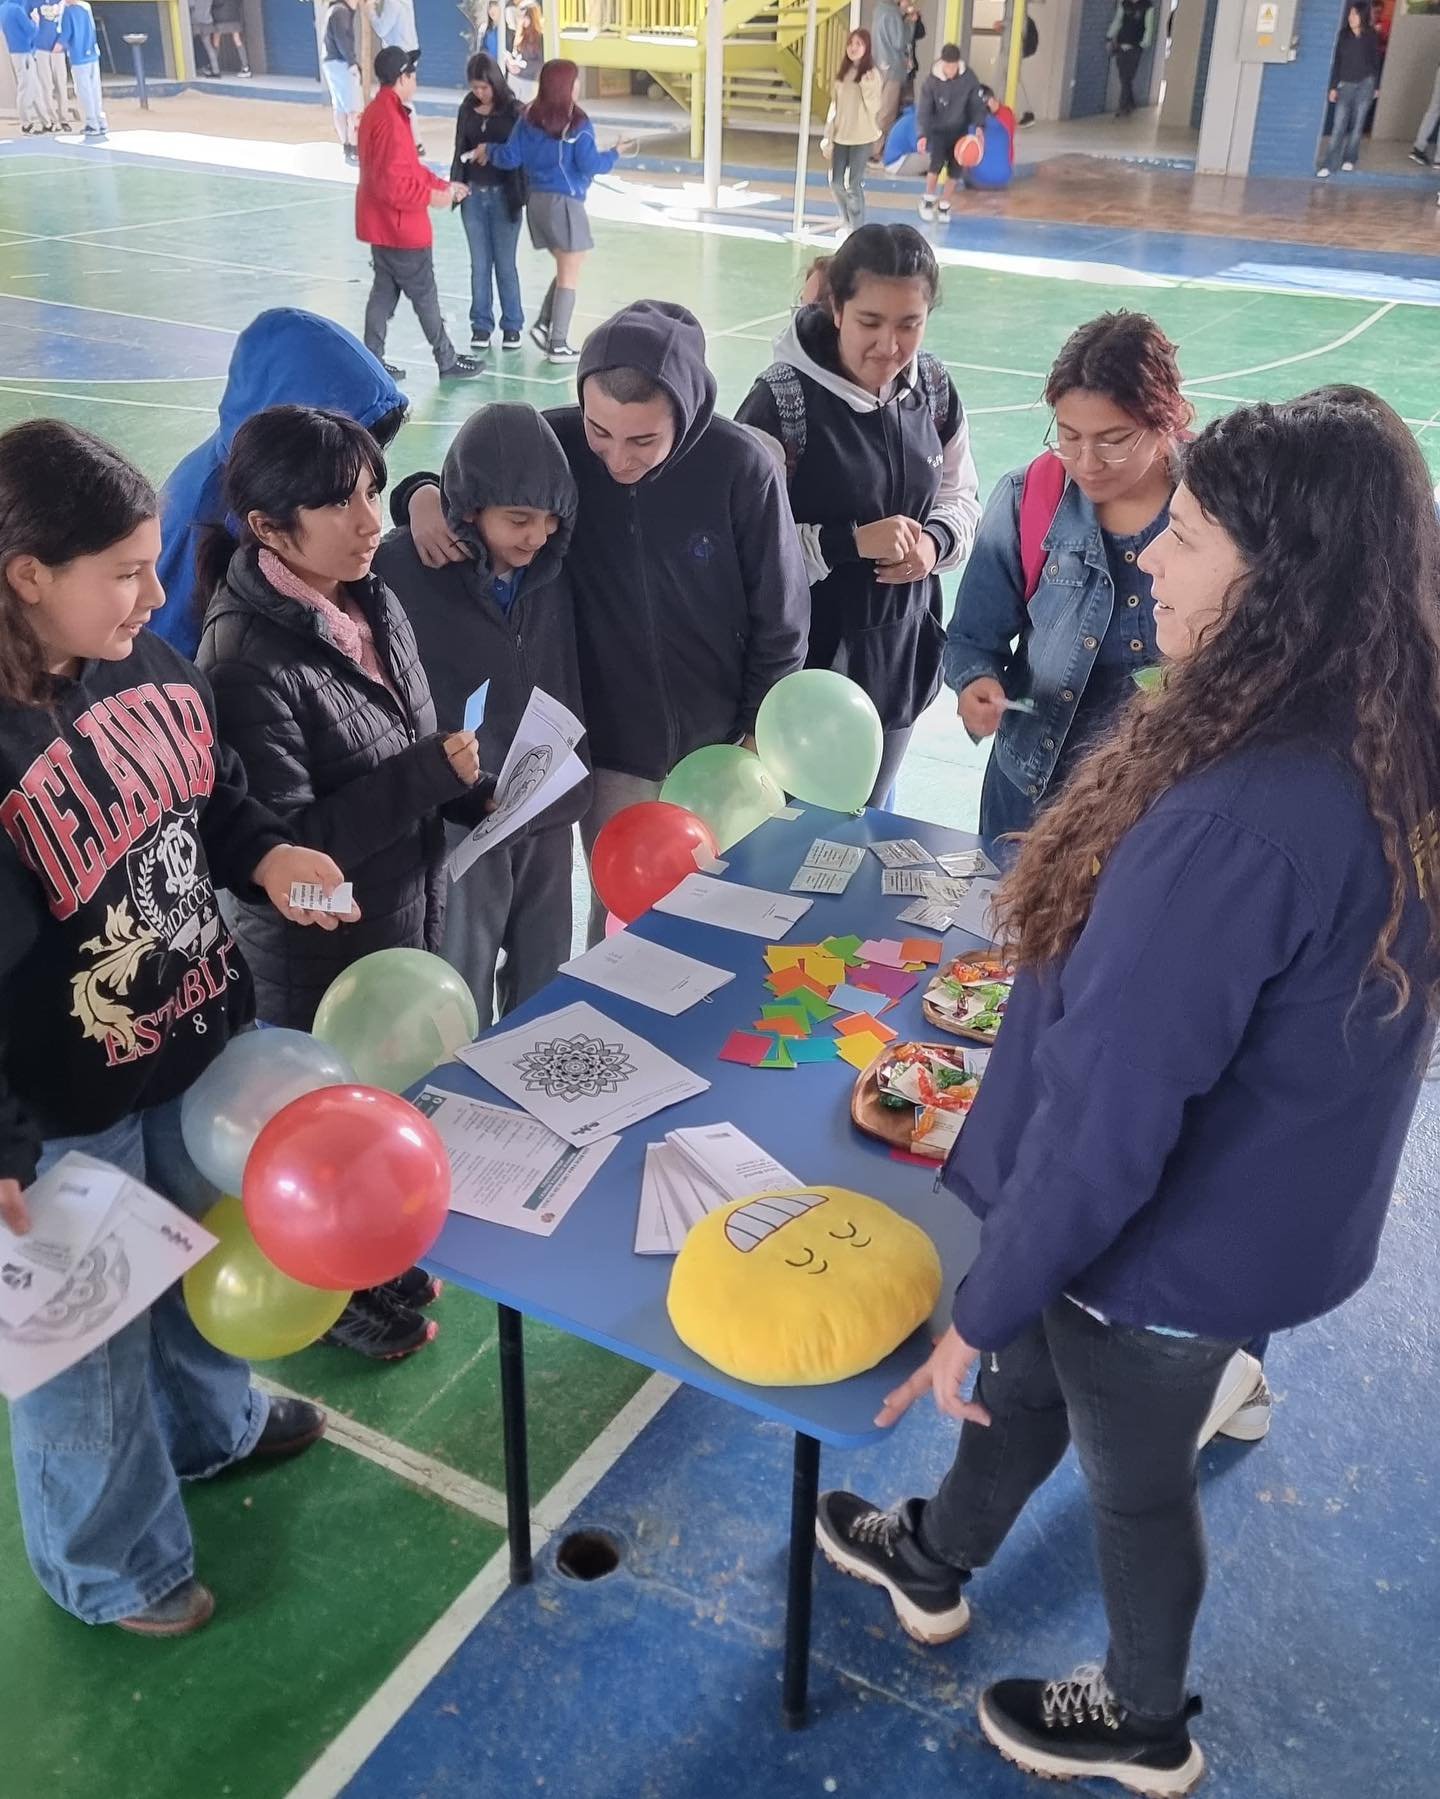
x: 558, y: 222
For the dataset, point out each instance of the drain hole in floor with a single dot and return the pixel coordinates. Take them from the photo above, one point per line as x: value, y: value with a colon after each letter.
x: 588, y: 1555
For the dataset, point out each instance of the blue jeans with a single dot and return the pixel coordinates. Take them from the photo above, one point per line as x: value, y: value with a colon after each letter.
x: 1352, y: 107
x: 493, y: 237
x: 100, y: 1451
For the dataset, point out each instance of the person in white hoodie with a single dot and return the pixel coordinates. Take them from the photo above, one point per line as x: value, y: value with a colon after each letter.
x: 873, y: 431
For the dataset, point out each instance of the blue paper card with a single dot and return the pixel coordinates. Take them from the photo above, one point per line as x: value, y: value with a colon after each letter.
x: 857, y: 999
x: 475, y: 707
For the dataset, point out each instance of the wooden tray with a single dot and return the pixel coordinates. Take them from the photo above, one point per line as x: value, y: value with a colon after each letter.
x: 942, y: 1020
x: 894, y: 1125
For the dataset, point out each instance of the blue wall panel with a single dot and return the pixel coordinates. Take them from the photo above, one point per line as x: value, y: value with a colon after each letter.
x: 1293, y: 95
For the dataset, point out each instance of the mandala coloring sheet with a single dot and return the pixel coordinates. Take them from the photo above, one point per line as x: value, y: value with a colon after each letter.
x: 539, y: 767
x: 581, y: 1074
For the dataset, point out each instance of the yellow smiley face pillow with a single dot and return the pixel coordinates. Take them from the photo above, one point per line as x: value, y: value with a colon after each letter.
x: 796, y: 1289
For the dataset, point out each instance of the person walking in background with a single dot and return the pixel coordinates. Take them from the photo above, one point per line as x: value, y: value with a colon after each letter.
x: 949, y: 108
x: 890, y: 48
x: 50, y: 62
x: 18, y: 23
x: 852, y: 127
x: 340, y: 65
x: 1354, y: 79
x: 493, y: 206
x: 225, y: 18
x: 202, y: 23
x: 527, y: 54
x: 1429, y: 126
x: 81, y: 44
x: 1130, y: 34
x: 554, y: 144
x: 392, y: 214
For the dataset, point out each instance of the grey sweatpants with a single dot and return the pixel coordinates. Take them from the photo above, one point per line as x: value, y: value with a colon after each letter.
x: 611, y: 792
x: 412, y: 273
x: 508, y: 918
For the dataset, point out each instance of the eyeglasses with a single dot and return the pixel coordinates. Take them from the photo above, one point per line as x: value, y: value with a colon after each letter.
x: 1112, y: 455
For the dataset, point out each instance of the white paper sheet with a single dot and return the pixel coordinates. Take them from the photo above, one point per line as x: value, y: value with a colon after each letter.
x: 581, y: 1073
x: 965, y: 863
x: 507, y: 1168
x: 736, y: 1164
x: 973, y: 913
x: 947, y: 892
x: 912, y: 881
x: 928, y: 915
x: 902, y: 852
x: 823, y: 853
x: 652, y: 1225
x: 820, y: 880
x: 539, y: 767
x: 648, y: 973
x: 68, y: 1204
x: 142, y: 1245
x: 734, y: 907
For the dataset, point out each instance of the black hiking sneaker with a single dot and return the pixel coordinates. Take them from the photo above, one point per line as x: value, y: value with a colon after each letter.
x: 292, y: 1426
x: 883, y: 1549
x: 464, y: 368
x: 393, y: 370
x: 1075, y: 1728
x: 377, y: 1325
x: 415, y: 1288
x: 510, y: 340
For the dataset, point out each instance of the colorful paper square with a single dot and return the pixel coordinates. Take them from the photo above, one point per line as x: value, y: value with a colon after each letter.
x: 860, y: 1050
x: 824, y: 969
x: 859, y: 999
x: 846, y: 948
x: 779, y: 1056
x: 814, y: 1049
x: 886, y: 951
x: 782, y: 1024
x: 779, y: 956
x: 794, y: 980
x: 860, y: 1022
x: 815, y: 1005
x: 921, y: 949
x: 894, y: 983
x: 748, y: 1051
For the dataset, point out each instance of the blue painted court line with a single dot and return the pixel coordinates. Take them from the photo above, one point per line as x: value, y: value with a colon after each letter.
x: 46, y: 340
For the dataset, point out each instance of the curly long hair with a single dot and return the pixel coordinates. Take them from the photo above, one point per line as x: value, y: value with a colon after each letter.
x: 1332, y: 632
x: 1129, y: 359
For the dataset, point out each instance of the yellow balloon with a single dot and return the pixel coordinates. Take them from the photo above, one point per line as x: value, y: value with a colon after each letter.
x: 241, y: 1302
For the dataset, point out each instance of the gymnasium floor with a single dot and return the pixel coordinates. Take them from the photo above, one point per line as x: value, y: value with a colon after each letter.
x: 347, y: 1581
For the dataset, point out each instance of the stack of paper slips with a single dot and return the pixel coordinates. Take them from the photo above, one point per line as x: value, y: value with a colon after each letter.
x: 692, y: 1173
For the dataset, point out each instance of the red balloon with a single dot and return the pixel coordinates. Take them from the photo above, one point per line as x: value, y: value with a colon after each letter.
x: 644, y: 852
x: 346, y: 1187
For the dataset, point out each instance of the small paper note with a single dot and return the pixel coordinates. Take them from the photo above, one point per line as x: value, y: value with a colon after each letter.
x: 793, y: 980
x: 825, y: 969
x: 860, y: 1022
x: 857, y: 999
x: 779, y: 956
x: 309, y: 896
x: 816, y: 1005
x: 861, y: 1049
x: 928, y: 916
x: 907, y: 881
x: 708, y: 864
x: 824, y: 853
x: 748, y: 1051
x: 820, y: 880
x: 787, y: 1025
x: 943, y: 891
x: 779, y: 1056
x: 884, y: 950
x: 903, y: 852
x: 475, y: 707
x: 921, y: 949
x: 894, y: 983
x: 965, y: 863
x: 846, y: 948
x: 814, y: 1049
x: 790, y: 813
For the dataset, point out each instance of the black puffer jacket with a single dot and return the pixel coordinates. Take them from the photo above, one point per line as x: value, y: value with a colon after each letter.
x: 349, y: 768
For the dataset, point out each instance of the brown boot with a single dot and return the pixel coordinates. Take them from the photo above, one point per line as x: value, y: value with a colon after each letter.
x: 188, y: 1608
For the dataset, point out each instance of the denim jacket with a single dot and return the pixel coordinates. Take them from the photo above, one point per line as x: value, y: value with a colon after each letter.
x: 1058, y: 633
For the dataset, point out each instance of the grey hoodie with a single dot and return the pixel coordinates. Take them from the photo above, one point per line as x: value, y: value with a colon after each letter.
x: 504, y: 455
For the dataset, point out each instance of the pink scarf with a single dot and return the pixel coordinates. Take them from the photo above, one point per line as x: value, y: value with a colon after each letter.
x: 347, y: 624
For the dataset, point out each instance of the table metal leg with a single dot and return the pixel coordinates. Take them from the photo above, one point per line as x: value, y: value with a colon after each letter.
x: 517, y: 1458
x: 804, y: 1491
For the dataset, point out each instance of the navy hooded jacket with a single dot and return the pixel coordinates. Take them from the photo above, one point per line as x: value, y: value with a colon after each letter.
x: 284, y: 357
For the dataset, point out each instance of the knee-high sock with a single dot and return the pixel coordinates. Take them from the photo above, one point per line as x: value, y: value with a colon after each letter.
x: 560, y: 317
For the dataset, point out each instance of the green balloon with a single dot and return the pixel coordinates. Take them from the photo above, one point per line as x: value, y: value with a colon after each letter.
x: 820, y: 736
x: 240, y: 1301
x: 395, y: 1015
x: 727, y: 787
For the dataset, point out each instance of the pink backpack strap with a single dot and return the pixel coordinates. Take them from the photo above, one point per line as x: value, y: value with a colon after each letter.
x: 1040, y: 496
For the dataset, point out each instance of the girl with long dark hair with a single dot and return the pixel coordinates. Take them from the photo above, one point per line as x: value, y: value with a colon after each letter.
x: 527, y: 53
x: 320, y: 691
x: 1054, y: 616
x: 122, y: 810
x: 1228, y: 936
x: 494, y: 205
x: 881, y: 480
x: 852, y: 128
x: 554, y: 144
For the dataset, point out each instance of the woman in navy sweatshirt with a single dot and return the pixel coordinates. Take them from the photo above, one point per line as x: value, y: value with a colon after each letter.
x: 1228, y: 931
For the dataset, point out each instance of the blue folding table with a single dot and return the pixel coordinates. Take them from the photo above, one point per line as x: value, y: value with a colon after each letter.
x: 586, y: 1277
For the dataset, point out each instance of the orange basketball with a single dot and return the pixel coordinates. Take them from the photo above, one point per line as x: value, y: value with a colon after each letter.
x: 969, y: 151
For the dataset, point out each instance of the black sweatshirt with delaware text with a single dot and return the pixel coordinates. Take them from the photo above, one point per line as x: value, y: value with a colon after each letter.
x: 120, y: 815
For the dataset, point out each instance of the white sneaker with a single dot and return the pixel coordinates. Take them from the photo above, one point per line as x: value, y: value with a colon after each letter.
x: 1241, y: 1409
x: 927, y: 208
x: 1322, y: 174
x: 1346, y: 167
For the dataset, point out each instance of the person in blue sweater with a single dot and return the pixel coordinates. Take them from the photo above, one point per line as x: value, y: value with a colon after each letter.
x: 1228, y: 937
x: 554, y: 143
x: 19, y: 24
x: 283, y: 357
x: 77, y: 36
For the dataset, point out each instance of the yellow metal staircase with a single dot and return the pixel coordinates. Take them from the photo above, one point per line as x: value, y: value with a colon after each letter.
x: 764, y: 51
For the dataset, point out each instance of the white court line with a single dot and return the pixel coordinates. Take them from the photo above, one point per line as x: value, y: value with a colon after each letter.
x: 412, y: 1466
x: 347, y: 1753
x: 1196, y: 393
x: 187, y: 218
x: 50, y: 393
x: 1285, y: 362
x: 745, y: 325
x: 116, y: 312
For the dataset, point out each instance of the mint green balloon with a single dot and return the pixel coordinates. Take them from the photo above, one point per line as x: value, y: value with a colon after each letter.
x: 727, y: 787
x: 819, y: 735
x: 396, y: 1014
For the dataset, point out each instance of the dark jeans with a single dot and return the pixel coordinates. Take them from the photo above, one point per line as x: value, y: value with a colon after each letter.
x: 1352, y: 108
x: 892, y: 754
x: 1133, y: 1402
x: 847, y: 181
x: 412, y: 273
x: 493, y: 236
x: 1127, y: 61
